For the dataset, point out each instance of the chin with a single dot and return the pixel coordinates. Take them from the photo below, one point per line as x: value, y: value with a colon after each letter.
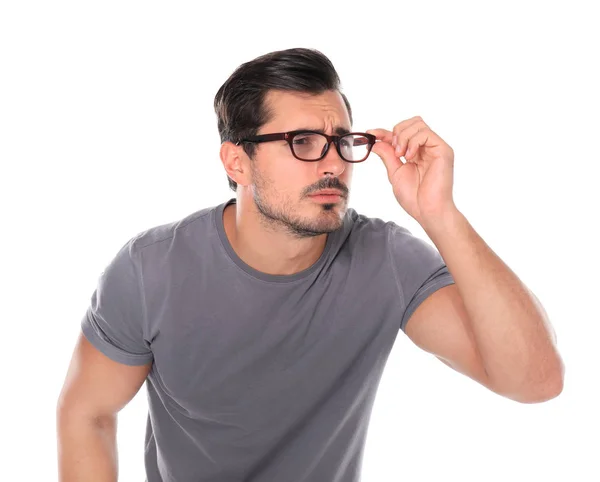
x: 330, y: 214
x: 337, y: 206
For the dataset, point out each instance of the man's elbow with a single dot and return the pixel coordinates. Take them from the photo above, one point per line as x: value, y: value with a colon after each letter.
x: 550, y: 389
x: 532, y: 391
x: 541, y: 396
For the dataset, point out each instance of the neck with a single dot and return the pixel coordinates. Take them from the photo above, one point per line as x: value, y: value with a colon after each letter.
x: 263, y: 246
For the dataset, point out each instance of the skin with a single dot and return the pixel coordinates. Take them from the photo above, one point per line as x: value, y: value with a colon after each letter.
x: 275, y: 227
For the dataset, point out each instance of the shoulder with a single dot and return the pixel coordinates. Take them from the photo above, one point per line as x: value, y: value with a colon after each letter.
x: 393, y: 238
x: 361, y: 224
x: 164, y: 234
x: 372, y: 228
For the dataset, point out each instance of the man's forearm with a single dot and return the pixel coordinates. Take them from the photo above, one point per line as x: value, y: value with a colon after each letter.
x: 87, y: 448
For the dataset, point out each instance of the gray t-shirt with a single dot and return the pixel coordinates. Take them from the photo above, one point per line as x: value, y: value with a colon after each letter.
x: 259, y: 377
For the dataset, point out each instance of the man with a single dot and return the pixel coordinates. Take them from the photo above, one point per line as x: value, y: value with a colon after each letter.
x: 262, y: 325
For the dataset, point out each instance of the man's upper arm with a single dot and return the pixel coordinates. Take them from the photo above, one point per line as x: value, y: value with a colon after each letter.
x: 96, y: 386
x: 440, y: 325
x: 115, y: 321
x: 434, y: 316
x: 113, y: 355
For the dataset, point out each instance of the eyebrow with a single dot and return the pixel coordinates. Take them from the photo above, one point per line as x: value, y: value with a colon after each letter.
x: 338, y: 130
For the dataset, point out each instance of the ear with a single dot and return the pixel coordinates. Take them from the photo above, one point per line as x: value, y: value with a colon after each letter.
x: 235, y: 161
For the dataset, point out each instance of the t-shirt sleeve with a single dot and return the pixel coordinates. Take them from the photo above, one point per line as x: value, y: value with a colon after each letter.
x: 419, y: 269
x: 115, y: 319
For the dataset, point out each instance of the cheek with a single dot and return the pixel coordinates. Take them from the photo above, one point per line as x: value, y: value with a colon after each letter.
x: 275, y: 181
x: 291, y: 178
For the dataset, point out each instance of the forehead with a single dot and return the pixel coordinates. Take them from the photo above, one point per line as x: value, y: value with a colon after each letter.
x: 291, y: 109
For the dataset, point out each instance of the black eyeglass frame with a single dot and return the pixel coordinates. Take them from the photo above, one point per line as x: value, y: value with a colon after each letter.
x: 289, y: 137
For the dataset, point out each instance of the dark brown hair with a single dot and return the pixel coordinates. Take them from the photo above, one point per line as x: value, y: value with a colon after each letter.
x: 239, y: 103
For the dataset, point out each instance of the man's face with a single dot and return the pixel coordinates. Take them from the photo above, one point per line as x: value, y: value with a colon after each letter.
x: 282, y: 185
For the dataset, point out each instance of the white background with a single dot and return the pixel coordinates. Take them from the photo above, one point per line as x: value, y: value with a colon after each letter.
x: 107, y: 129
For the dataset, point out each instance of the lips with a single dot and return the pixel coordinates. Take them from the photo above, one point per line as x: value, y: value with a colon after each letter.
x: 328, y: 193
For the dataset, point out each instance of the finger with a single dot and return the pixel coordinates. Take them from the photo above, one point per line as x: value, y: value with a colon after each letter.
x: 386, y: 152
x: 406, y: 134
x: 424, y: 137
x: 416, y: 141
x: 382, y: 134
x: 406, y: 123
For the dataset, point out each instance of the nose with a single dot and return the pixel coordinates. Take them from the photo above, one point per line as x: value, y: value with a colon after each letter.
x: 332, y: 163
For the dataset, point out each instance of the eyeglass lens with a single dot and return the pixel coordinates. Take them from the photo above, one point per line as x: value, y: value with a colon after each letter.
x: 310, y: 146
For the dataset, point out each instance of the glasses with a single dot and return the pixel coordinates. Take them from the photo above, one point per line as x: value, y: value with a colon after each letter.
x: 313, y: 146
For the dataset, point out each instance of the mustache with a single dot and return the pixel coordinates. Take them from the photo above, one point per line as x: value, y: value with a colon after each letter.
x: 331, y: 183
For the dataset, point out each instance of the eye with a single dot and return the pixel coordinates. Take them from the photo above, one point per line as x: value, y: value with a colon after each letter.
x: 305, y: 139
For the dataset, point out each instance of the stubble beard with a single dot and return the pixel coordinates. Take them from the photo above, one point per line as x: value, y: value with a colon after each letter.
x: 280, y: 215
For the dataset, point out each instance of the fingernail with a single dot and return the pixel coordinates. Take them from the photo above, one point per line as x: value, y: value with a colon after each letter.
x: 394, y: 138
x: 397, y: 150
